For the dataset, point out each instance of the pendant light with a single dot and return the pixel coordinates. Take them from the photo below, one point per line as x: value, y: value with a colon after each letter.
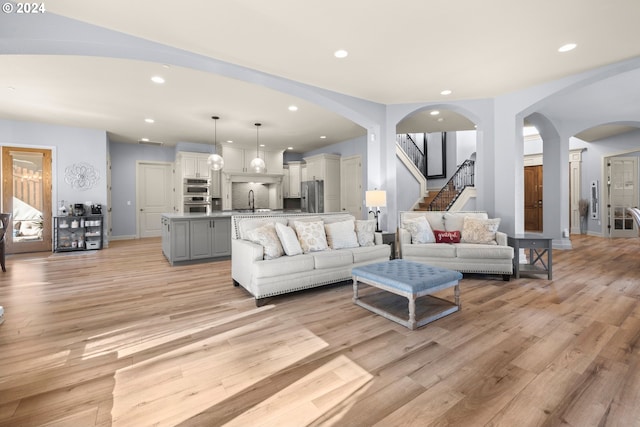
x: 257, y: 165
x: 215, y: 160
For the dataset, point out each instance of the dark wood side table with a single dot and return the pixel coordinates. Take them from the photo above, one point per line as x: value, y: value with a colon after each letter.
x: 389, y: 238
x: 538, y: 247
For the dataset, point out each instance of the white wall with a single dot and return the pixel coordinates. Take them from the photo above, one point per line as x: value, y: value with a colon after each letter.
x: 70, y: 146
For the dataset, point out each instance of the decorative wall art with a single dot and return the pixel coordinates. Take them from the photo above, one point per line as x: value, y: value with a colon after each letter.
x: 81, y: 176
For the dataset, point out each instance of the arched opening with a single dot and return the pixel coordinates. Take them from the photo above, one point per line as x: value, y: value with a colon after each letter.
x: 438, y: 140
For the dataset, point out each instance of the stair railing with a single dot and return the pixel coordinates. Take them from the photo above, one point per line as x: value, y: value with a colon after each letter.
x: 463, y: 178
x: 413, y: 151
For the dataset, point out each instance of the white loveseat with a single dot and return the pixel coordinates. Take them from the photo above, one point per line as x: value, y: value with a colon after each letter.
x: 483, y: 252
x: 264, y: 278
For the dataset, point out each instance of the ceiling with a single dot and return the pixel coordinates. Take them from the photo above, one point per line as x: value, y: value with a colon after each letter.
x: 399, y: 52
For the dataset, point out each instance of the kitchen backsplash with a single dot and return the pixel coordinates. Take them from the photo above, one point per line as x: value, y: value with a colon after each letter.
x: 240, y: 195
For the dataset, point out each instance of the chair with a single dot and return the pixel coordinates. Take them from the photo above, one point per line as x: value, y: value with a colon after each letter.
x: 4, y: 222
x: 635, y: 213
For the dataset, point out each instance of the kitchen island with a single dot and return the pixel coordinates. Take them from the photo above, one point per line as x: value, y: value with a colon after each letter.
x: 193, y: 237
x: 196, y: 236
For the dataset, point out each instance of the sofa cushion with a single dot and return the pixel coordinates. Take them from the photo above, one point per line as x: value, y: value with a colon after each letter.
x: 311, y: 235
x: 341, y: 234
x: 435, y: 218
x: 267, y: 237
x: 369, y: 253
x: 288, y: 239
x: 475, y: 250
x: 291, y: 220
x: 246, y: 224
x: 477, y: 230
x: 365, y: 229
x: 331, y: 259
x: 330, y: 219
x: 420, y: 230
x: 283, y: 266
x: 455, y: 221
x: 429, y: 250
x: 447, y: 236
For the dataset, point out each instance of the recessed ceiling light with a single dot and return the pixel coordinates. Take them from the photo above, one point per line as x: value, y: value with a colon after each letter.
x: 567, y: 47
x: 166, y: 66
x: 144, y: 139
x: 293, y: 108
x: 157, y: 79
x: 440, y: 119
x: 323, y: 137
x: 446, y: 92
x: 434, y: 112
x: 340, y: 53
x: 229, y: 141
x: 261, y: 145
x: 289, y: 148
x: 149, y: 120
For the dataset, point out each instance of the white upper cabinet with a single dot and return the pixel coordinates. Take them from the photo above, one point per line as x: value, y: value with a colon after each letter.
x: 194, y: 165
x: 238, y: 159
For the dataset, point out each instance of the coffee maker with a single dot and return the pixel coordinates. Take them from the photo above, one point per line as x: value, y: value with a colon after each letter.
x: 96, y: 209
x: 78, y: 209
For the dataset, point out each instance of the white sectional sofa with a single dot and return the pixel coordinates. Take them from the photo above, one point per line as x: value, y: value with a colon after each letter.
x: 265, y: 278
x: 482, y: 249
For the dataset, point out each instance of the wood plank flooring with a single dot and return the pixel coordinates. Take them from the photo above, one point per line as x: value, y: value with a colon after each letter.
x: 119, y: 338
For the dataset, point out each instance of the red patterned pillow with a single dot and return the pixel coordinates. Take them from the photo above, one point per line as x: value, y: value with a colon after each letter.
x: 447, y: 236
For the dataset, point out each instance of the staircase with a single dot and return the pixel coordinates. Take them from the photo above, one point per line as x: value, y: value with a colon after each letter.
x: 442, y: 201
x: 446, y: 197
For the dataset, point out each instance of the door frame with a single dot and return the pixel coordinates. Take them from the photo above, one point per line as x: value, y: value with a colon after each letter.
x: 170, y: 165
x: 604, y: 189
x: 345, y: 187
x: 50, y: 195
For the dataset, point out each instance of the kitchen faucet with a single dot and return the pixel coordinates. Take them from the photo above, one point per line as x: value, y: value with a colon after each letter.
x: 252, y: 201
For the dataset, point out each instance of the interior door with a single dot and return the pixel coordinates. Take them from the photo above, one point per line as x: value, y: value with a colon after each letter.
x: 26, y: 193
x: 351, y: 195
x: 154, y: 197
x: 533, y: 198
x: 623, y: 193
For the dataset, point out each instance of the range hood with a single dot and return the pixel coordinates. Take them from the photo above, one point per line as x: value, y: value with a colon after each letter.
x: 264, y: 178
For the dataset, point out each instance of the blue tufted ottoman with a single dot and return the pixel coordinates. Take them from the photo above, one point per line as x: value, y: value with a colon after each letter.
x: 411, y: 280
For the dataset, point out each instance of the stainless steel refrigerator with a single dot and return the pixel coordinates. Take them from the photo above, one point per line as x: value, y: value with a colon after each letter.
x: 312, y: 197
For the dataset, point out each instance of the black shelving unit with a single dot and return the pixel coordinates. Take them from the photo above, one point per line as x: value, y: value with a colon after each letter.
x: 77, y: 233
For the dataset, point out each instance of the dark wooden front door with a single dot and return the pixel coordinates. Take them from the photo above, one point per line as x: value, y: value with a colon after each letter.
x: 533, y: 198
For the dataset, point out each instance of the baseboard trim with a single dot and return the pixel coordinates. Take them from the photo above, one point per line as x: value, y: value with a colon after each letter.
x: 125, y: 237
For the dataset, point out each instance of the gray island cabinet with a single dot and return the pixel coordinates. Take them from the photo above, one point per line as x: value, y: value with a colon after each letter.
x: 189, y: 237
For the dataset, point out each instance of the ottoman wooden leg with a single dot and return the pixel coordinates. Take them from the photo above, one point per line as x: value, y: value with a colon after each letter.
x: 412, y: 312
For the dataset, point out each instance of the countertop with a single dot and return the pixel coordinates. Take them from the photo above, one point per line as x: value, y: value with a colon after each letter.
x: 224, y: 214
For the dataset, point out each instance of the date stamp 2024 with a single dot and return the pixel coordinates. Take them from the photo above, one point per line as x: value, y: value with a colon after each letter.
x: 23, y: 8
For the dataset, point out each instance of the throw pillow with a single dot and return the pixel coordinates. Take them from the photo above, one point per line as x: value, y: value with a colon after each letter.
x: 288, y: 239
x: 477, y: 230
x: 455, y: 221
x: 420, y: 230
x: 365, y: 229
x: 447, y: 236
x: 267, y: 237
x: 341, y: 234
x: 311, y: 236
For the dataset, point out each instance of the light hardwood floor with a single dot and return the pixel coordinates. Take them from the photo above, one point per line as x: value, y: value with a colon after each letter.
x: 118, y: 337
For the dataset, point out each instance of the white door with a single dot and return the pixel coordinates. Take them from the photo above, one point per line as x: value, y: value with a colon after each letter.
x: 351, y: 195
x: 154, y: 197
x: 623, y: 193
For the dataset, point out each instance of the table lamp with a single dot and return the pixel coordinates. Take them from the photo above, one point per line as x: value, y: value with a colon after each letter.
x: 376, y: 199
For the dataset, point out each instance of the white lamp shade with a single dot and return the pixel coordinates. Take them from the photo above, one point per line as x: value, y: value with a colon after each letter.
x: 216, y: 161
x: 257, y: 165
x: 376, y: 198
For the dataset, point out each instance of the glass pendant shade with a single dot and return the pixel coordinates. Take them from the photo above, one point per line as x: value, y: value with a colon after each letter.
x: 257, y: 165
x: 215, y: 160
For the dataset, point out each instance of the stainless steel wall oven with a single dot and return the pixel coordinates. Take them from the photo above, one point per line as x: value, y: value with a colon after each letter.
x: 196, y: 195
